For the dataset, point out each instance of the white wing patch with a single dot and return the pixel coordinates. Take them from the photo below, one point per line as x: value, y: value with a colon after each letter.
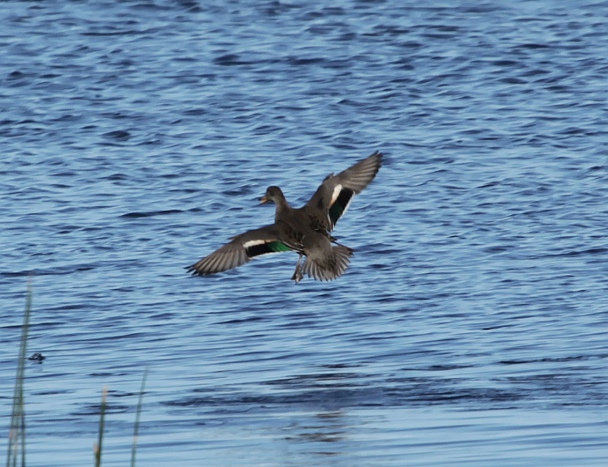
x: 254, y: 243
x: 335, y: 194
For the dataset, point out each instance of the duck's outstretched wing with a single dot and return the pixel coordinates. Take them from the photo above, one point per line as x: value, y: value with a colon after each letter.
x: 240, y: 250
x: 332, y: 198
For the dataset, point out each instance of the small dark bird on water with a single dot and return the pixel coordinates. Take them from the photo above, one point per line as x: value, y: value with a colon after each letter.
x: 305, y: 230
x: 37, y: 357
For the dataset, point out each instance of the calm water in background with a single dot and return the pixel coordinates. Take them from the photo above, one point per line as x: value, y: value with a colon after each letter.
x: 471, y: 329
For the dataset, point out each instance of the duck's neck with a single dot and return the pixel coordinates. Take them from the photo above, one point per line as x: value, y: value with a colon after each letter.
x: 283, y: 209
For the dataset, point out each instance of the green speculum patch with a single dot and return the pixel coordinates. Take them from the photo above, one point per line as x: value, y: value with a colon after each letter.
x: 265, y: 248
x: 278, y: 246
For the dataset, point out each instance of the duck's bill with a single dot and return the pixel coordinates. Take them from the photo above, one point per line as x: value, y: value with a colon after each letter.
x: 263, y: 200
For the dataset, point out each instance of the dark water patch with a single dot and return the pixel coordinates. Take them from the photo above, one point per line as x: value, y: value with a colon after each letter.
x: 558, y: 389
x: 24, y: 273
x: 118, y: 135
x: 325, y: 379
x: 195, y: 112
x: 100, y: 374
x: 116, y: 32
x: 305, y: 61
x: 62, y: 270
x: 397, y: 392
x: 137, y: 215
x: 576, y: 253
x: 15, y: 75
x: 237, y: 403
x: 231, y: 60
x: 52, y: 393
x: 547, y: 359
x: 243, y: 320
x: 117, y: 177
x: 95, y: 410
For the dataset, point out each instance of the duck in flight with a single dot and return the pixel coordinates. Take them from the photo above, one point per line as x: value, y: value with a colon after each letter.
x: 306, y: 230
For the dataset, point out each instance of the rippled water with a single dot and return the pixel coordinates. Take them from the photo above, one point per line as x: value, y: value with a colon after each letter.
x: 471, y: 328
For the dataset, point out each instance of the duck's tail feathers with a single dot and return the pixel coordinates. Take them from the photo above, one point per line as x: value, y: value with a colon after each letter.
x: 329, y: 267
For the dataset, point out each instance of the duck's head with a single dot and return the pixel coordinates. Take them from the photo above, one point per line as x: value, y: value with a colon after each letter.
x: 273, y: 194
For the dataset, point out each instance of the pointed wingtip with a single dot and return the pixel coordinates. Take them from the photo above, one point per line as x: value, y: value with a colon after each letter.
x: 378, y: 155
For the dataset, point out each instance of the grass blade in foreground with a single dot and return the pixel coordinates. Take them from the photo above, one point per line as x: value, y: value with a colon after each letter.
x: 97, y: 445
x: 17, y: 429
x: 136, y: 429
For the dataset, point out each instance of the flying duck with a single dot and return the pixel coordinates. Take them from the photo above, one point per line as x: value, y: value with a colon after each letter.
x: 305, y: 230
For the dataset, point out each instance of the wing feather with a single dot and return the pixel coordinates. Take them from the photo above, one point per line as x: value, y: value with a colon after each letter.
x: 334, y: 195
x: 240, y: 250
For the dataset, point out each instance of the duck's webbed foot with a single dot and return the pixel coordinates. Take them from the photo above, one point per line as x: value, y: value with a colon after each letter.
x: 298, y: 275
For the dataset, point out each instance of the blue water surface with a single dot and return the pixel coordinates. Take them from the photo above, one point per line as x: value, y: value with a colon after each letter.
x: 472, y: 326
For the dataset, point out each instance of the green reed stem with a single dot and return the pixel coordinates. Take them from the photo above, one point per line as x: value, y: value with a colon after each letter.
x: 137, y: 417
x: 16, y: 437
x: 97, y: 446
